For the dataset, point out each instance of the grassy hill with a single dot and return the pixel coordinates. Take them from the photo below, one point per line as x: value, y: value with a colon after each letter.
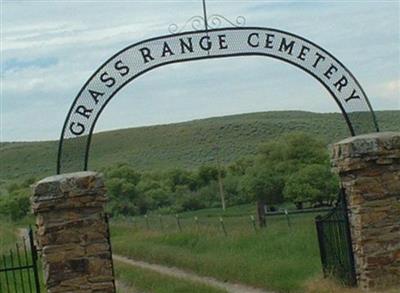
x: 186, y: 144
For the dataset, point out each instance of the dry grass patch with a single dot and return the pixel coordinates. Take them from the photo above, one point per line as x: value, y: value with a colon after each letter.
x: 321, y: 285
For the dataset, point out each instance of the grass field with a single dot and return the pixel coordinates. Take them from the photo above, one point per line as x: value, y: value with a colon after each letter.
x: 8, y: 237
x: 280, y: 257
x: 142, y: 280
x: 234, y: 211
x: 20, y: 280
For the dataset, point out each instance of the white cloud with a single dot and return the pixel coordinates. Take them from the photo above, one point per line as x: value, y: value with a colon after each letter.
x: 71, y: 37
x: 390, y: 91
x: 29, y: 80
x: 393, y: 87
x: 24, y: 31
x: 81, y: 35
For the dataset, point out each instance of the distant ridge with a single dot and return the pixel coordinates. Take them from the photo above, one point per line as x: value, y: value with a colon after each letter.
x: 185, y: 144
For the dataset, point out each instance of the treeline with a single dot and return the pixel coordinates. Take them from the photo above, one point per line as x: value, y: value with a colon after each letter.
x: 294, y: 168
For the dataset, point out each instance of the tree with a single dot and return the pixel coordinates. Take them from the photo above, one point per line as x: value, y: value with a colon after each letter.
x: 313, y: 183
x: 234, y: 195
x: 123, y: 171
x: 177, y: 177
x: 125, y: 198
x: 156, y: 189
x: 15, y: 205
x: 265, y: 186
x: 186, y: 200
x: 206, y: 173
x: 275, y: 164
x: 262, y: 183
x: 292, y: 152
x: 305, y: 149
x: 239, y: 167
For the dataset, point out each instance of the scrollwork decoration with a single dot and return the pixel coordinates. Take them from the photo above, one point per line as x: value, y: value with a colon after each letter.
x: 214, y: 21
x: 196, y: 22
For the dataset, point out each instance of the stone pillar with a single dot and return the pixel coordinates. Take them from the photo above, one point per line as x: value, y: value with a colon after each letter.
x: 369, y: 169
x: 73, y: 233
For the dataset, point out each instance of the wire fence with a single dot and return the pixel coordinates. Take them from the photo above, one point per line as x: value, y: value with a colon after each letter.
x: 216, y: 224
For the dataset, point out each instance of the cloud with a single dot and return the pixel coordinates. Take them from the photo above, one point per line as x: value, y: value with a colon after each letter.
x: 387, y: 93
x: 14, y: 64
x: 393, y: 87
x: 50, y: 50
x: 103, y: 36
x: 390, y: 90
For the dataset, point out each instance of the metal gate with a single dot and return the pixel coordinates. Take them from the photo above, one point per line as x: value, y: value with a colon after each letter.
x: 335, y: 244
x: 18, y: 268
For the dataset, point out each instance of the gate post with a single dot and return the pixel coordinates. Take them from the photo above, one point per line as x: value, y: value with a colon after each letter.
x: 73, y: 233
x: 369, y: 170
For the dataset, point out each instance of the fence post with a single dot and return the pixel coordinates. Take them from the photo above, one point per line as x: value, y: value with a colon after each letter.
x: 221, y: 220
x: 106, y: 220
x: 6, y: 273
x: 178, y: 222
x: 13, y: 271
x: 196, y: 220
x: 147, y: 222
x: 253, y: 221
x: 261, y: 213
x: 161, y: 223
x: 19, y: 265
x: 24, y: 239
x: 287, y: 218
x: 318, y: 225
x: 134, y: 223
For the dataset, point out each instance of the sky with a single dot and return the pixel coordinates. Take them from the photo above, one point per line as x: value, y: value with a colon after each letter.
x: 50, y: 48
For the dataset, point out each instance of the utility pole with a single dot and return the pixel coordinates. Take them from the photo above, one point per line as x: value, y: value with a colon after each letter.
x: 221, y: 186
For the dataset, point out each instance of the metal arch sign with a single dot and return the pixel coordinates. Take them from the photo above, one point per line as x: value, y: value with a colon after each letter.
x: 139, y: 58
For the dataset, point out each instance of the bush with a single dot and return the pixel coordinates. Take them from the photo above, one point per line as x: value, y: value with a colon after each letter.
x: 263, y: 183
x: 15, y: 205
x: 313, y: 183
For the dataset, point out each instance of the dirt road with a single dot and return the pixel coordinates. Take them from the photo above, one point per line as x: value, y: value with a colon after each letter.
x: 178, y: 273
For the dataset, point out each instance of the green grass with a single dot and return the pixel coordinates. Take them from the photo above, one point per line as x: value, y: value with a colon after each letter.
x: 18, y: 280
x: 234, y: 211
x: 145, y: 280
x: 186, y: 145
x: 9, y: 232
x: 277, y: 258
x: 8, y: 237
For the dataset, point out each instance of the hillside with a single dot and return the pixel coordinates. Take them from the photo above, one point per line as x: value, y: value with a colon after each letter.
x: 186, y: 144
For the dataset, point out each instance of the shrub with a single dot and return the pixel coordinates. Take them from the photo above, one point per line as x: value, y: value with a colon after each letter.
x: 15, y: 205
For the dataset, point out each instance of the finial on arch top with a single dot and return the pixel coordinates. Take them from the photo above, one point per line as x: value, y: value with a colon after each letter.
x: 212, y: 22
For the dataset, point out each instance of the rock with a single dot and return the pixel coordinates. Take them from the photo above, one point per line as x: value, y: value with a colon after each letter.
x: 369, y: 168
x: 73, y: 233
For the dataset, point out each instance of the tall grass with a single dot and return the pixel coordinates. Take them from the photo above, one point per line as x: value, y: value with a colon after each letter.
x: 136, y: 279
x: 8, y: 236
x: 15, y: 252
x: 279, y: 257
